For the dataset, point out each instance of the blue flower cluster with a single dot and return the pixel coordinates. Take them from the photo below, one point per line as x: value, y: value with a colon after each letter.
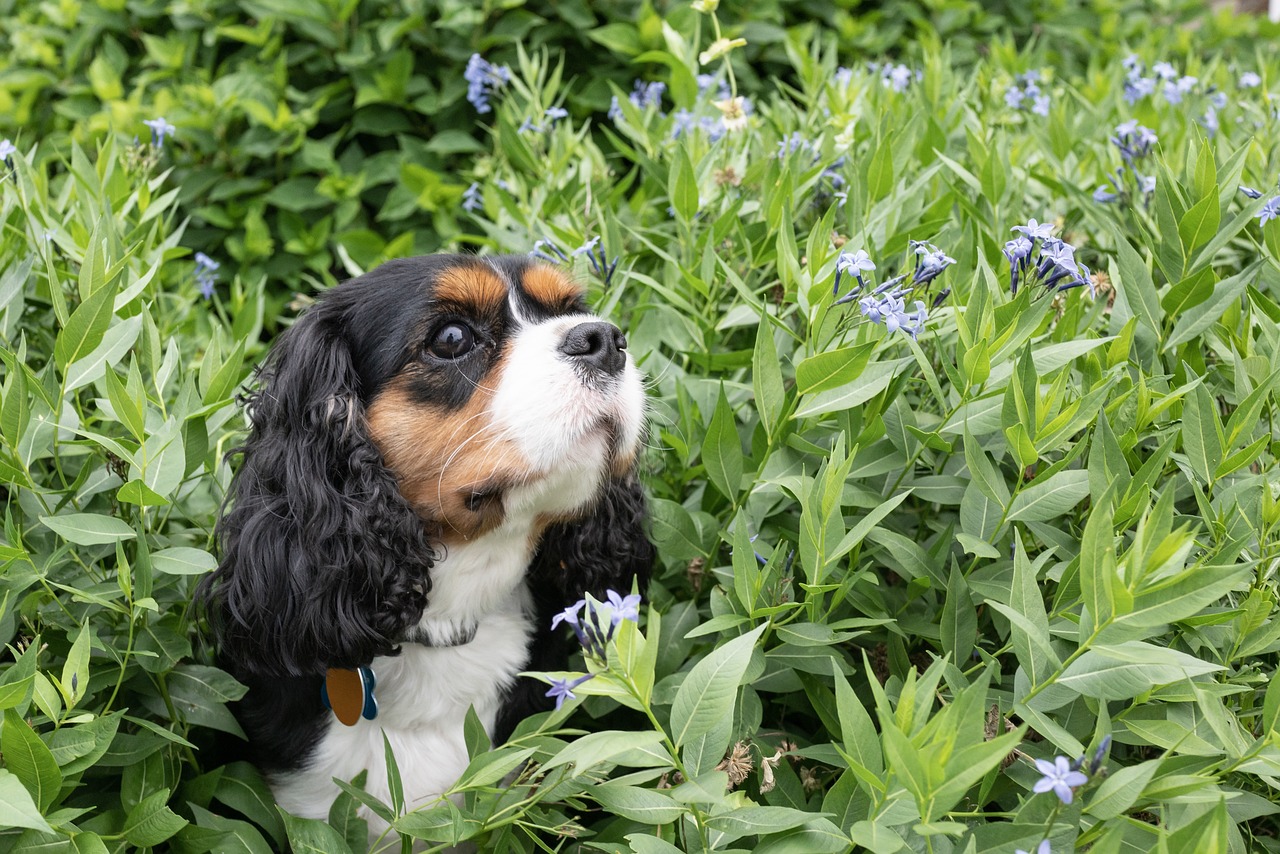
x: 472, y: 198
x: 684, y: 121
x: 1270, y: 210
x: 594, y: 624
x: 1017, y: 98
x: 483, y: 79
x: 206, y: 274
x: 886, y: 304
x: 1135, y: 143
x: 552, y: 115
x: 895, y: 77
x: 1164, y: 76
x: 593, y: 249
x: 1038, y: 258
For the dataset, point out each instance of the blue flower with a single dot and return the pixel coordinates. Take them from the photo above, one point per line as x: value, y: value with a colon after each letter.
x: 555, y: 113
x: 1013, y: 97
x: 1099, y: 755
x: 562, y: 689
x: 623, y: 607
x: 472, y: 198
x: 569, y: 615
x: 793, y: 143
x: 1041, y: 107
x: 1209, y: 121
x: 647, y: 94
x: 528, y: 125
x: 1103, y: 194
x: 1058, y: 778
x: 615, y: 110
x: 1137, y: 88
x: 682, y: 123
x: 898, y: 77
x: 1174, y: 91
x: 1250, y: 192
x: 1164, y: 71
x: 1042, y: 848
x: 852, y: 262
x: 1132, y: 64
x: 844, y: 76
x: 586, y: 247
x: 539, y: 245
x: 930, y: 262
x: 206, y: 274
x: 483, y: 78
x: 7, y: 149
x: 1270, y: 211
x: 1035, y: 230
x: 1250, y: 80
x: 159, y: 130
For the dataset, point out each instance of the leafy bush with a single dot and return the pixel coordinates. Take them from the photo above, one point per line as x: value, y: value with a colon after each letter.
x: 898, y: 565
x: 317, y: 137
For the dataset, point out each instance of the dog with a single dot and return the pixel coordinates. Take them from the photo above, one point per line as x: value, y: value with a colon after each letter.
x: 441, y: 456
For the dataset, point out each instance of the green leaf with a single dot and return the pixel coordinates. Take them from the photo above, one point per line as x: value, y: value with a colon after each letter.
x: 833, y: 368
x: 85, y: 328
x: 1120, y: 672
x: 16, y: 807
x: 722, y: 450
x: 1050, y: 498
x: 30, y: 760
x: 1121, y: 790
x: 646, y: 806
x: 1098, y: 565
x: 600, y: 747
x: 1136, y: 286
x: 880, y: 176
x: 311, y: 836
x: 183, y: 560
x: 959, y: 623
x: 137, y: 492
x: 151, y: 821
x: 88, y: 529
x: 75, y: 670
x: 682, y: 185
x: 706, y: 696
x: 766, y: 378
x: 1201, y: 434
x: 1199, y: 224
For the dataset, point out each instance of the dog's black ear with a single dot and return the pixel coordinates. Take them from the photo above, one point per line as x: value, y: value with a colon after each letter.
x: 324, y: 564
x: 603, y: 551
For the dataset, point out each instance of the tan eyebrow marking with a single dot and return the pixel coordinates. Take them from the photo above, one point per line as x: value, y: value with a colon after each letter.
x: 550, y: 287
x: 471, y: 285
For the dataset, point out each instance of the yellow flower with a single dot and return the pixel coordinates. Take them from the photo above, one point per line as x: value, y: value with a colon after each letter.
x: 735, y: 117
x: 719, y: 48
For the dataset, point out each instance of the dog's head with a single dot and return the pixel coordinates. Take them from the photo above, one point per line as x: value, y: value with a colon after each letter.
x: 415, y: 409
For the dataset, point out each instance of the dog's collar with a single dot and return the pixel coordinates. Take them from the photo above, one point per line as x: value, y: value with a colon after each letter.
x: 349, y: 693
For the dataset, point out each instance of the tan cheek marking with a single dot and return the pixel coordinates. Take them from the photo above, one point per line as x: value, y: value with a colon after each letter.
x: 550, y: 287
x: 471, y: 285
x: 441, y: 458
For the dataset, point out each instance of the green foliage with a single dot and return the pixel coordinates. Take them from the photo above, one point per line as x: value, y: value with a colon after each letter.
x: 894, y: 570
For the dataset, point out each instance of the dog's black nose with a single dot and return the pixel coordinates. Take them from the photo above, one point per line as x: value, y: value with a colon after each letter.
x: 599, y: 345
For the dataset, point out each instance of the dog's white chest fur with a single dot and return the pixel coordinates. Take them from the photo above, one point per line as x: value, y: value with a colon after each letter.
x: 424, y: 693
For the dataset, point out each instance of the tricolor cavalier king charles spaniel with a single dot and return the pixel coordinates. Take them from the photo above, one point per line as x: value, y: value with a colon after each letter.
x: 441, y: 457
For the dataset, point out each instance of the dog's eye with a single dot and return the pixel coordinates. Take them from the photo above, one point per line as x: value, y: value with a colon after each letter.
x: 452, y: 341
